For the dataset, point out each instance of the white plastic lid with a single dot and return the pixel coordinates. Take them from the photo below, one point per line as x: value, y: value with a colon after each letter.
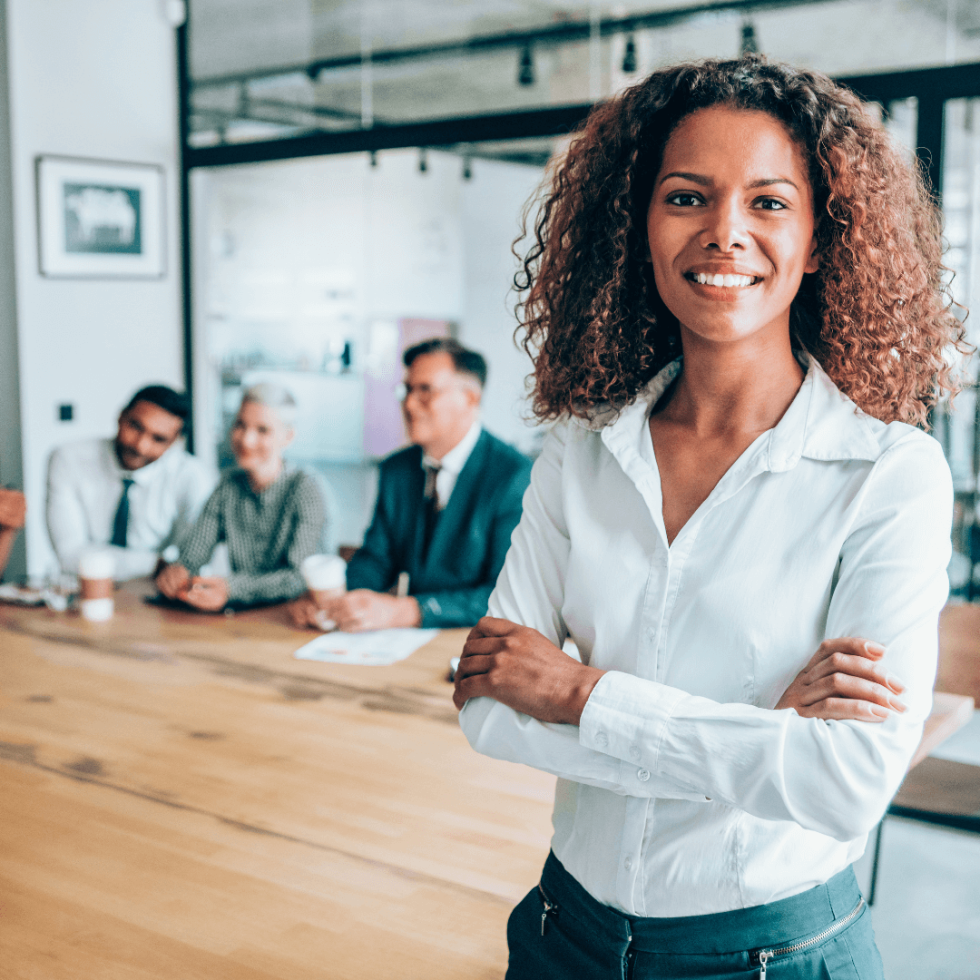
x: 97, y: 563
x: 324, y: 572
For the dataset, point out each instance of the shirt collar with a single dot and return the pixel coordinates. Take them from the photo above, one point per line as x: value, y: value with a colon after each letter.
x: 456, y: 458
x: 820, y: 423
x: 243, y: 480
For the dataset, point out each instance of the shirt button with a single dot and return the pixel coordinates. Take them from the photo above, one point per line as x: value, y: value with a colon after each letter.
x: 643, y: 775
x: 634, y: 752
x: 628, y: 863
x: 601, y: 739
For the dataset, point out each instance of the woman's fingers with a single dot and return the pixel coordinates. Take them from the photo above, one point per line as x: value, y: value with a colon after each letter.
x: 855, y: 646
x: 482, y: 645
x: 844, y: 709
x: 843, y: 663
x: 474, y: 664
x: 490, y: 626
x: 847, y: 686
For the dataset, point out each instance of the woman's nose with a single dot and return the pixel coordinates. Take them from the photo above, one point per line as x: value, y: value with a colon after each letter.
x: 726, y: 228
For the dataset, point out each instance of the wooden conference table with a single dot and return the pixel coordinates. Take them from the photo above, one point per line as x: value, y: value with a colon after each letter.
x: 181, y: 798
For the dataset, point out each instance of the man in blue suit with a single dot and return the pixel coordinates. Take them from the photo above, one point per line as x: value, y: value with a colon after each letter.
x: 446, y: 506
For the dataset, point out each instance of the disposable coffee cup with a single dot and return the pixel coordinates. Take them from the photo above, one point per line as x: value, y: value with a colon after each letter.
x: 95, y: 571
x: 326, y: 578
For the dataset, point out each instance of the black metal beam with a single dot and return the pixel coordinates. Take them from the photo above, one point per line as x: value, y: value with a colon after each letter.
x: 186, y: 270
x: 439, y: 132
x: 554, y: 35
x: 948, y: 82
x: 929, y: 85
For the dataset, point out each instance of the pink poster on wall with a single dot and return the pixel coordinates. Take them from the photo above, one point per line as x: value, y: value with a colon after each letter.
x: 383, y: 429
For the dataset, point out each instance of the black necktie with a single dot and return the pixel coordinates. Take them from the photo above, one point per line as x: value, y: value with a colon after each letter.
x: 431, y: 507
x: 121, y: 520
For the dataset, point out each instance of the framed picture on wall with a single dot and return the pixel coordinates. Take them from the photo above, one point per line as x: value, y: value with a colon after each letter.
x: 98, y: 219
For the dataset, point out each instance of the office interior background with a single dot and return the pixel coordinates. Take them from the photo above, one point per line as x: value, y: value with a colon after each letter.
x: 344, y: 177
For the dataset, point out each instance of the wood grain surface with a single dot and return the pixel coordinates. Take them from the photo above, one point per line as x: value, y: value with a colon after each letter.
x: 181, y: 798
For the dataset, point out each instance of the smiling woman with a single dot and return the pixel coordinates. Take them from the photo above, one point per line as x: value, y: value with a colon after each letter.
x: 736, y: 308
x: 876, y: 315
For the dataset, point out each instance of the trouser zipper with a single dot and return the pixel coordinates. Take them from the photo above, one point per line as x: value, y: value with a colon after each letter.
x: 764, y: 956
x: 550, y: 908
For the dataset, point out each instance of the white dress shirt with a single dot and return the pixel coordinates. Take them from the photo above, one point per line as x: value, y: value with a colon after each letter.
x: 451, y: 465
x: 683, y: 792
x: 84, y: 488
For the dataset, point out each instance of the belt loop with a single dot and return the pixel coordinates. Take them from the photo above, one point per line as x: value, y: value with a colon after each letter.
x: 840, y: 895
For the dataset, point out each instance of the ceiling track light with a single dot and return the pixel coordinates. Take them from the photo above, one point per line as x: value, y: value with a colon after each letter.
x: 373, y: 158
x: 629, y: 56
x: 467, y: 168
x: 750, y: 44
x: 525, y: 67
x: 423, y: 160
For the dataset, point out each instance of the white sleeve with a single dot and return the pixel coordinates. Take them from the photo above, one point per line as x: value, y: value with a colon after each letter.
x: 530, y: 591
x: 68, y: 525
x: 832, y: 777
x: 197, y: 484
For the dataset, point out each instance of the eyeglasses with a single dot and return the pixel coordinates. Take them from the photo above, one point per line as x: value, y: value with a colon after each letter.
x: 424, y: 393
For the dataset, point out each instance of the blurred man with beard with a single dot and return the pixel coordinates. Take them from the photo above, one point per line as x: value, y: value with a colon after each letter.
x: 137, y: 493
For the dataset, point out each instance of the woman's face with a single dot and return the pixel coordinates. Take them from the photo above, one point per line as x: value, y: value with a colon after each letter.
x: 259, y: 437
x: 730, y: 225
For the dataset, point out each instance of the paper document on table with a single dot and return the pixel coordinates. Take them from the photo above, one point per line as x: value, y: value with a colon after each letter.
x: 373, y: 649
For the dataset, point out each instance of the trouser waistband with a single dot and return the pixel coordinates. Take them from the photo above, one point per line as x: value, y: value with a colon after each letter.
x: 761, y: 926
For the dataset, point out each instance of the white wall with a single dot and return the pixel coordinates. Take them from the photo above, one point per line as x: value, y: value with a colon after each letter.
x: 88, y: 78
x: 293, y: 254
x: 492, y: 204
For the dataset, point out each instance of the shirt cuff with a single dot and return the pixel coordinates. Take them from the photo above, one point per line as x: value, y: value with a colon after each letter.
x: 626, y: 717
x: 430, y: 610
x: 238, y: 590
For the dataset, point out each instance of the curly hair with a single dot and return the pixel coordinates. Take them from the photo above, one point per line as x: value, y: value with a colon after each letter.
x: 877, y: 315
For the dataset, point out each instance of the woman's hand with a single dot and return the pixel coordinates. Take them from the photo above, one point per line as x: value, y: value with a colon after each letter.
x: 517, y: 666
x: 305, y: 613
x: 172, y: 580
x: 207, y: 593
x: 842, y: 681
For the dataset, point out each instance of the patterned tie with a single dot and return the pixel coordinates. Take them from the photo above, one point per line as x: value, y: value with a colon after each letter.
x: 431, y: 507
x: 120, y: 523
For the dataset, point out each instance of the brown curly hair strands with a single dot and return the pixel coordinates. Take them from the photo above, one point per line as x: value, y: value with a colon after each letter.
x: 877, y: 315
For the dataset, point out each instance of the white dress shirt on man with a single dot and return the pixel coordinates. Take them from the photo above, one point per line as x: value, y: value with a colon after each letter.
x: 682, y: 792
x: 84, y: 488
x: 451, y: 465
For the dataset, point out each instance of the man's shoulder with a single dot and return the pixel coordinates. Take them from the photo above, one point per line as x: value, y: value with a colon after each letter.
x: 502, y: 457
x: 85, y: 454
x: 181, y: 467
x: 180, y: 459
x: 401, y: 460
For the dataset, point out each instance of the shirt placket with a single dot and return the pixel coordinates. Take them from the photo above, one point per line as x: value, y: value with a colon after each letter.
x: 665, y: 574
x: 621, y: 442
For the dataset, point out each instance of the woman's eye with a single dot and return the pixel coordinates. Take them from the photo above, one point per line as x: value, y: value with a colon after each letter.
x: 770, y: 204
x: 684, y: 199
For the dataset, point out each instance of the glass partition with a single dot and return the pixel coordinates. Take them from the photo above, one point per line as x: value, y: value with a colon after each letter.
x: 318, y: 273
x: 261, y: 71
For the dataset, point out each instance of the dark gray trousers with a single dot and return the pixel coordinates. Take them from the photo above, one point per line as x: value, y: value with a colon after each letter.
x: 559, y: 932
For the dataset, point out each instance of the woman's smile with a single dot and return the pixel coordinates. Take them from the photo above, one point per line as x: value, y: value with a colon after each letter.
x: 730, y: 224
